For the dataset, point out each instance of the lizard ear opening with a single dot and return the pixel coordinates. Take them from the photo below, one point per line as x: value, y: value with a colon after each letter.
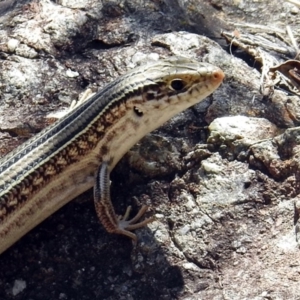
x: 137, y: 111
x: 177, y: 84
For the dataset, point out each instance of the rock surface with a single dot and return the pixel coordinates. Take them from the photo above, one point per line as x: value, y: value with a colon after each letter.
x: 222, y: 178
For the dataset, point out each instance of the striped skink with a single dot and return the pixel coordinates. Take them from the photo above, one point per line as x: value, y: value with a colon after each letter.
x: 80, y: 150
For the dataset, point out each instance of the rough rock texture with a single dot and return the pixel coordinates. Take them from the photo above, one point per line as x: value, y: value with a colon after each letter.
x: 220, y: 178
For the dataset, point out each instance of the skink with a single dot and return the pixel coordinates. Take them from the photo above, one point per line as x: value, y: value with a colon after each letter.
x: 80, y: 150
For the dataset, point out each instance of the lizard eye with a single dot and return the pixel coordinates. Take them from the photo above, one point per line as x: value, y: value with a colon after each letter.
x: 177, y: 84
x: 137, y: 111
